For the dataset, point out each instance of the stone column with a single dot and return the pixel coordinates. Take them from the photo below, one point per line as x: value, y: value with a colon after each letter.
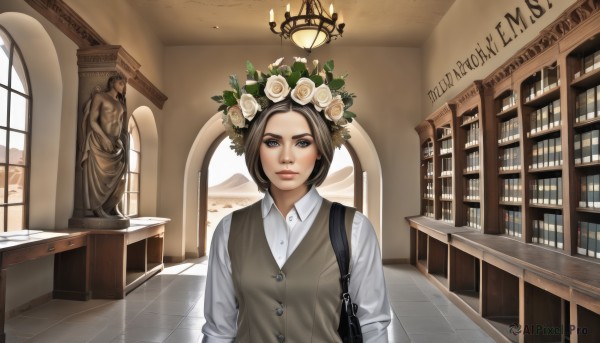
x: 96, y: 65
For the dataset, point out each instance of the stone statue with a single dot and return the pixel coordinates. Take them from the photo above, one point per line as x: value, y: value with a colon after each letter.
x: 105, y: 150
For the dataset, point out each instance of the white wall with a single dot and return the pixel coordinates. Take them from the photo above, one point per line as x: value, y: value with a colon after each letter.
x: 469, y: 22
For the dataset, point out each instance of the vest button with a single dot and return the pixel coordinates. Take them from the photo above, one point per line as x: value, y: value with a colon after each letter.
x: 279, y: 311
x: 280, y: 338
x: 279, y: 277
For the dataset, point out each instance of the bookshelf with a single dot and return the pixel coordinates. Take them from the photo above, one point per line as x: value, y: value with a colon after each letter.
x: 512, y: 235
x: 469, y: 110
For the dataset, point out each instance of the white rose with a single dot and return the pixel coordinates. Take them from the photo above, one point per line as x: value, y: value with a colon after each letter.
x: 277, y: 88
x: 322, y: 97
x: 249, y: 106
x: 303, y: 92
x: 335, y: 110
x: 315, y: 63
x: 300, y: 59
x: 236, y: 116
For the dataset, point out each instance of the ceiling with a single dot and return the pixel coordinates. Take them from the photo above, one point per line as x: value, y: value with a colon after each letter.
x: 244, y: 22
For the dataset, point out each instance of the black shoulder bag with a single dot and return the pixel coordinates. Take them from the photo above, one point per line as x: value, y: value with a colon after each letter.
x: 349, y: 328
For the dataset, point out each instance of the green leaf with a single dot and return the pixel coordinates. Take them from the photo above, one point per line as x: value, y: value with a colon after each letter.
x: 222, y: 108
x: 217, y: 98
x: 233, y: 82
x: 229, y: 98
x: 252, y: 89
x: 328, y: 66
x: 317, y: 79
x: 299, y: 67
x: 328, y: 76
x: 250, y: 70
x: 336, y: 84
x: 293, y: 79
x: 349, y: 115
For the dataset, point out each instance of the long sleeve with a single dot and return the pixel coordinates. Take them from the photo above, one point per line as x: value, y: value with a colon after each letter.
x: 220, y: 307
x: 367, y: 283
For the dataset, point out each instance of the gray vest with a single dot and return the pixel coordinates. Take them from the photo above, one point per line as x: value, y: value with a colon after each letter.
x: 298, y: 303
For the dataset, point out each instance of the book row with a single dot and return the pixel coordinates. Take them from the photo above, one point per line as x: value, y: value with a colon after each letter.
x: 429, y: 169
x: 428, y: 190
x: 473, y: 161
x: 511, y: 223
x: 508, y: 130
x: 446, y: 147
x: 446, y: 166
x: 590, y: 191
x: 508, y: 102
x: 447, y: 189
x: 474, y: 217
x: 429, y: 209
x: 547, y: 80
x: 472, y: 135
x: 444, y: 131
x: 447, y: 211
x: 589, y: 63
x: 549, y: 231
x: 586, y: 147
x: 588, y: 235
x: 511, y: 190
x: 428, y: 150
x: 545, y: 118
x: 472, y: 189
x: 470, y: 117
x: 587, y: 104
x: 546, y: 191
x: 509, y: 159
x: 546, y: 153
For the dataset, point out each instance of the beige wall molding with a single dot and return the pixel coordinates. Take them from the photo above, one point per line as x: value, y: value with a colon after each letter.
x: 74, y: 27
x: 469, y: 93
x: 548, y: 37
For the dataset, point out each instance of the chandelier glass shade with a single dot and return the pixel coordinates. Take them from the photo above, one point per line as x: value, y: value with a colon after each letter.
x: 311, y: 27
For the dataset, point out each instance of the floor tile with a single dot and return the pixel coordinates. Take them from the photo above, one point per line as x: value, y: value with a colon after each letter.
x: 169, y: 308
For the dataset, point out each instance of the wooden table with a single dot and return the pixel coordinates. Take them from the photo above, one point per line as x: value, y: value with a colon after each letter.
x: 71, y: 278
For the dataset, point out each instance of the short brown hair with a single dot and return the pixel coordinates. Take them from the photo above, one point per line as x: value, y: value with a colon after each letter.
x: 320, y: 132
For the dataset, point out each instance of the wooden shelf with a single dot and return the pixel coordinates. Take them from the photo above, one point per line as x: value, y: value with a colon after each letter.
x: 495, y: 278
x: 444, y: 138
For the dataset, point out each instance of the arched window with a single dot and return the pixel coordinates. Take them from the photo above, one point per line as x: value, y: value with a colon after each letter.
x: 130, y: 204
x: 15, y: 122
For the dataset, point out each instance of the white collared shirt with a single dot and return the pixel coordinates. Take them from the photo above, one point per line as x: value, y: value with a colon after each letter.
x: 284, y: 235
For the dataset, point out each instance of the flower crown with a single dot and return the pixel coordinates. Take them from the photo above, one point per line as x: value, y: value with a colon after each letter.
x: 318, y: 87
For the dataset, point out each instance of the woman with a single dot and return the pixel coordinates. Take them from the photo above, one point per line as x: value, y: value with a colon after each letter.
x: 273, y: 275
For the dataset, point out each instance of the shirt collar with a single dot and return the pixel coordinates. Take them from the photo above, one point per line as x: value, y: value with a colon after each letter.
x: 303, y: 207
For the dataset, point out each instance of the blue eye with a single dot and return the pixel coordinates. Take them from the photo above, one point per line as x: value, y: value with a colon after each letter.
x: 303, y: 143
x: 271, y: 143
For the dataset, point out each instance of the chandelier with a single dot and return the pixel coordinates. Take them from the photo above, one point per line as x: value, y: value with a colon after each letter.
x: 311, y: 27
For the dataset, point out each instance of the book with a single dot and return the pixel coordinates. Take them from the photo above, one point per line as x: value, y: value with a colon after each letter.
x: 588, y: 63
x: 582, y: 238
x: 586, y: 148
x: 577, y: 148
x: 546, y: 240
x: 590, y: 103
x: 556, y: 112
x: 552, y: 230
x: 594, y: 145
x: 558, y: 151
x: 536, y: 231
x: 559, y: 191
x: 596, y: 190
x: 560, y: 236
x: 545, y: 119
x: 583, y: 197
x: 592, y: 239
x: 590, y: 191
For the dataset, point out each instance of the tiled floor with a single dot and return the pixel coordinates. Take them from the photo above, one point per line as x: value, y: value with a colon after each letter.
x: 168, y: 308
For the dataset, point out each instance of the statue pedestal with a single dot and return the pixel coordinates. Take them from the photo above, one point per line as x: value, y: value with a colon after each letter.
x: 98, y: 223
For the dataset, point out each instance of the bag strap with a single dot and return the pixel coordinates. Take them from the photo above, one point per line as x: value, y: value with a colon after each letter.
x: 339, y: 241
